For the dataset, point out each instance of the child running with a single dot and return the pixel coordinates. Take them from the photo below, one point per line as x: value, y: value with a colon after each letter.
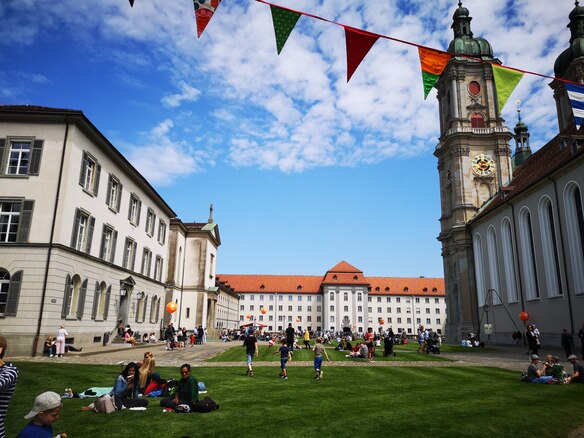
x: 284, y: 351
x: 318, y: 352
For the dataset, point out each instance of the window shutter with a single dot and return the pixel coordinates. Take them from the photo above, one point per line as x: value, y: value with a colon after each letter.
x: 109, y: 190
x: 135, y: 247
x: 75, y: 228
x: 114, y: 241
x: 2, y: 143
x: 119, y: 196
x: 35, y: 158
x: 138, y: 311
x: 108, y: 294
x: 138, y: 213
x: 161, y: 267
x: 84, y: 165
x: 81, y: 301
x: 90, y: 234
x: 130, y: 210
x: 125, y: 259
x: 102, y: 246
x: 13, y: 293
x: 144, y: 309
x: 153, y: 226
x: 25, y: 220
x: 96, y: 181
x: 66, y: 297
x: 95, y: 300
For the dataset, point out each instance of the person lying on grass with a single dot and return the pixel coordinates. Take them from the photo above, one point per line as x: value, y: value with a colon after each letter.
x: 45, y: 411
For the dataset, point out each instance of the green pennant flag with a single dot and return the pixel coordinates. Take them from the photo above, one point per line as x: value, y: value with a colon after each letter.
x: 433, y: 63
x: 505, y: 81
x: 284, y: 22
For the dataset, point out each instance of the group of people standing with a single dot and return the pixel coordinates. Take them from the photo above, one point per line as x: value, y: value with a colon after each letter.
x: 176, y: 339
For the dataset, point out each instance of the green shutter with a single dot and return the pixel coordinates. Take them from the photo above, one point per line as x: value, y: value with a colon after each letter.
x: 13, y: 293
x: 144, y: 308
x: 102, y: 246
x: 2, y: 143
x: 125, y: 259
x: 107, y: 301
x: 96, y: 180
x: 84, y: 164
x: 24, y: 222
x: 35, y: 158
x: 66, y: 297
x: 134, y: 248
x: 109, y: 190
x: 114, y: 242
x: 75, y: 228
x: 81, y: 300
x: 119, y: 196
x: 138, y: 213
x: 90, y: 234
x: 95, y: 300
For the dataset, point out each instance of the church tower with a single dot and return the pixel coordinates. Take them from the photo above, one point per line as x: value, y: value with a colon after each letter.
x: 474, y: 163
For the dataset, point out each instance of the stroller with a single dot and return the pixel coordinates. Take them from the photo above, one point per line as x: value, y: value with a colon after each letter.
x: 432, y: 344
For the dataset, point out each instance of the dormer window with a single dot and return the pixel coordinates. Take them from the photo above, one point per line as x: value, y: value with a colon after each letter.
x: 299, y: 287
x: 386, y: 289
x: 425, y: 290
x: 334, y: 277
x: 406, y: 290
x: 377, y: 289
x: 355, y: 278
x: 262, y: 287
x: 435, y: 290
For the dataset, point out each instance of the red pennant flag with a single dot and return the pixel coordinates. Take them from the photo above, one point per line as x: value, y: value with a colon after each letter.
x: 359, y: 42
x: 204, y: 10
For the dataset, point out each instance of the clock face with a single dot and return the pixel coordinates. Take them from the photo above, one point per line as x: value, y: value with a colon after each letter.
x: 483, y: 165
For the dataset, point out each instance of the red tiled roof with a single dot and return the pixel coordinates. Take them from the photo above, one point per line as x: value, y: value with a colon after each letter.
x: 272, y: 283
x: 344, y: 273
x: 538, y: 166
x: 343, y: 266
x: 407, y: 286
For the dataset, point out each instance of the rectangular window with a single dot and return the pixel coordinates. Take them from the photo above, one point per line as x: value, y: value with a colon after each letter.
x: 161, y: 232
x: 134, y: 209
x: 360, y: 319
x: 289, y: 297
x: 318, y: 298
x: 300, y: 308
x: 359, y: 308
x: 252, y: 297
x: 437, y: 311
x: 346, y: 308
x: 299, y: 297
x: 332, y: 308
x: 241, y: 307
x: 399, y: 320
x: 318, y: 319
x: 427, y: 300
x: 150, y: 222
x: 428, y: 321
x: 417, y: 299
x: 271, y: 297
x: 368, y: 299
x: 113, y: 196
x: 397, y: 299
x: 158, y: 268
x: 280, y: 298
x: 427, y: 310
x: 261, y: 298
x: 289, y: 308
x: 241, y: 317
x: 89, y: 174
x: 252, y: 307
x: 379, y: 299
x: 388, y: 299
x: 19, y: 157
x: 309, y: 318
x: 318, y: 308
x: 437, y: 320
x: 379, y: 310
x: 280, y: 308
x: 108, y: 243
x: 309, y: 298
x: 398, y: 310
x: 271, y: 308
x: 389, y: 310
x: 309, y: 309
x: 146, y: 262
x: 369, y: 309
x: 129, y: 254
x: 82, y: 231
x: 332, y: 319
x: 289, y: 318
x: 437, y: 300
x: 9, y: 218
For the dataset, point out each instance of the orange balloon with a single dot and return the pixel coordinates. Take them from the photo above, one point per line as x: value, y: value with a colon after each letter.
x: 297, y: 320
x: 524, y: 316
x: 381, y: 321
x: 263, y: 310
x: 248, y: 316
x: 171, y: 307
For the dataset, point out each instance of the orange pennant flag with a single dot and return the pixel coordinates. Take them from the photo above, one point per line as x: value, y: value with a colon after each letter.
x: 359, y: 42
x: 433, y: 63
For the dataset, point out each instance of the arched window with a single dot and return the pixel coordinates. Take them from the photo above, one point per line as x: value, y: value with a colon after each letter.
x: 493, y: 266
x: 74, y: 298
x: 479, y: 273
x: 527, y: 253
x: 550, y: 248
x: 332, y: 296
x: 509, y: 261
x: 477, y: 120
x: 99, y: 301
x: 575, y: 228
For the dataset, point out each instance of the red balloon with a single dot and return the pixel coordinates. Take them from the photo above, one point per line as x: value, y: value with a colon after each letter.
x: 381, y: 321
x: 171, y: 307
x: 524, y: 316
x: 263, y: 310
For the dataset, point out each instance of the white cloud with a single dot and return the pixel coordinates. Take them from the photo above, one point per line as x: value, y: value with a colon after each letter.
x: 187, y: 93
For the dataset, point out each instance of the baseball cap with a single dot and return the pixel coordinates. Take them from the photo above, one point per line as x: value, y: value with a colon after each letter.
x: 44, y: 402
x: 534, y: 357
x: 572, y: 356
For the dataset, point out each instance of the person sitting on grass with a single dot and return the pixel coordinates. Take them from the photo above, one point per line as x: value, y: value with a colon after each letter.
x: 285, y: 355
x: 148, y: 375
x: 534, y: 373
x: 187, y: 391
x: 45, y: 411
x: 553, y: 368
x: 578, y: 376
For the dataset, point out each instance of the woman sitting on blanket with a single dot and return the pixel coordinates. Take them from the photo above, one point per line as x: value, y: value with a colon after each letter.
x: 126, y: 391
x: 149, y: 380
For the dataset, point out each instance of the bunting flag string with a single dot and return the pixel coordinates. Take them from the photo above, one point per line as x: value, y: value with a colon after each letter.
x: 576, y: 96
x: 284, y: 22
x: 433, y: 63
x: 204, y: 10
x: 358, y: 45
x: 505, y: 82
x: 131, y: 3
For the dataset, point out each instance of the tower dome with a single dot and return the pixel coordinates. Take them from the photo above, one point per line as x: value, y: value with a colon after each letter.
x: 576, y: 48
x: 464, y: 43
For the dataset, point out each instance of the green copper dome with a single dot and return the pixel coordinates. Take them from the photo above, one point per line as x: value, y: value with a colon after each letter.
x: 464, y: 43
x: 576, y: 48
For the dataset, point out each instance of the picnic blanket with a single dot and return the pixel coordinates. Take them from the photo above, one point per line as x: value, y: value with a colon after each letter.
x: 96, y: 392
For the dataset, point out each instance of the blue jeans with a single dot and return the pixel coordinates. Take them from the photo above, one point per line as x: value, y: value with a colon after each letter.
x: 543, y: 379
x: 317, y: 363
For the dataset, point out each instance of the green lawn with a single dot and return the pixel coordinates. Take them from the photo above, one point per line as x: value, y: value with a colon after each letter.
x: 348, y: 401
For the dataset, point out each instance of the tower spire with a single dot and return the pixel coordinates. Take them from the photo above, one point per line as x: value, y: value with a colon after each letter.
x: 522, y: 148
x: 210, y: 220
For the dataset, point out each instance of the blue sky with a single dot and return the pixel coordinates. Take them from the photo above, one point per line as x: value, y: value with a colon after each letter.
x: 303, y: 169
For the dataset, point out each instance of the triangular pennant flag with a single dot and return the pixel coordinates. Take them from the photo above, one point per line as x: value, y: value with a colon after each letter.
x: 359, y: 43
x: 505, y: 81
x: 433, y: 63
x: 204, y: 10
x: 132, y: 3
x: 576, y: 96
x: 284, y: 21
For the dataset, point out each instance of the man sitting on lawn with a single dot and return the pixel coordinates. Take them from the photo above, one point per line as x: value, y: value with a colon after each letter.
x: 578, y: 376
x: 534, y: 374
x: 187, y: 391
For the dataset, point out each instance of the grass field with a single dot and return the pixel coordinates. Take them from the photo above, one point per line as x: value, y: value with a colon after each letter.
x: 348, y: 401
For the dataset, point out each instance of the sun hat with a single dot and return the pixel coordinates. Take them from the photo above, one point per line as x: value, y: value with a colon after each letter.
x: 44, y: 402
x: 534, y: 357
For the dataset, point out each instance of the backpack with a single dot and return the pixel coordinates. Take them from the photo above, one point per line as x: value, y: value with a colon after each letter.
x: 170, y: 388
x: 105, y: 404
x: 205, y: 405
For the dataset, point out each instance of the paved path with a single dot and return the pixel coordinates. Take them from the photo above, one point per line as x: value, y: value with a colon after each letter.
x: 507, y: 357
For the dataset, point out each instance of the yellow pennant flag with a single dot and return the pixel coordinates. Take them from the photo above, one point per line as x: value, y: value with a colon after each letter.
x: 505, y: 81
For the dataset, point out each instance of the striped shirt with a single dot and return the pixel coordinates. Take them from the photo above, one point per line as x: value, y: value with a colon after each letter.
x: 8, y: 377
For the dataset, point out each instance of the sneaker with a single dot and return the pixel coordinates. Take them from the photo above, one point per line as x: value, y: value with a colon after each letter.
x: 52, y: 355
x: 285, y: 377
x: 251, y: 374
